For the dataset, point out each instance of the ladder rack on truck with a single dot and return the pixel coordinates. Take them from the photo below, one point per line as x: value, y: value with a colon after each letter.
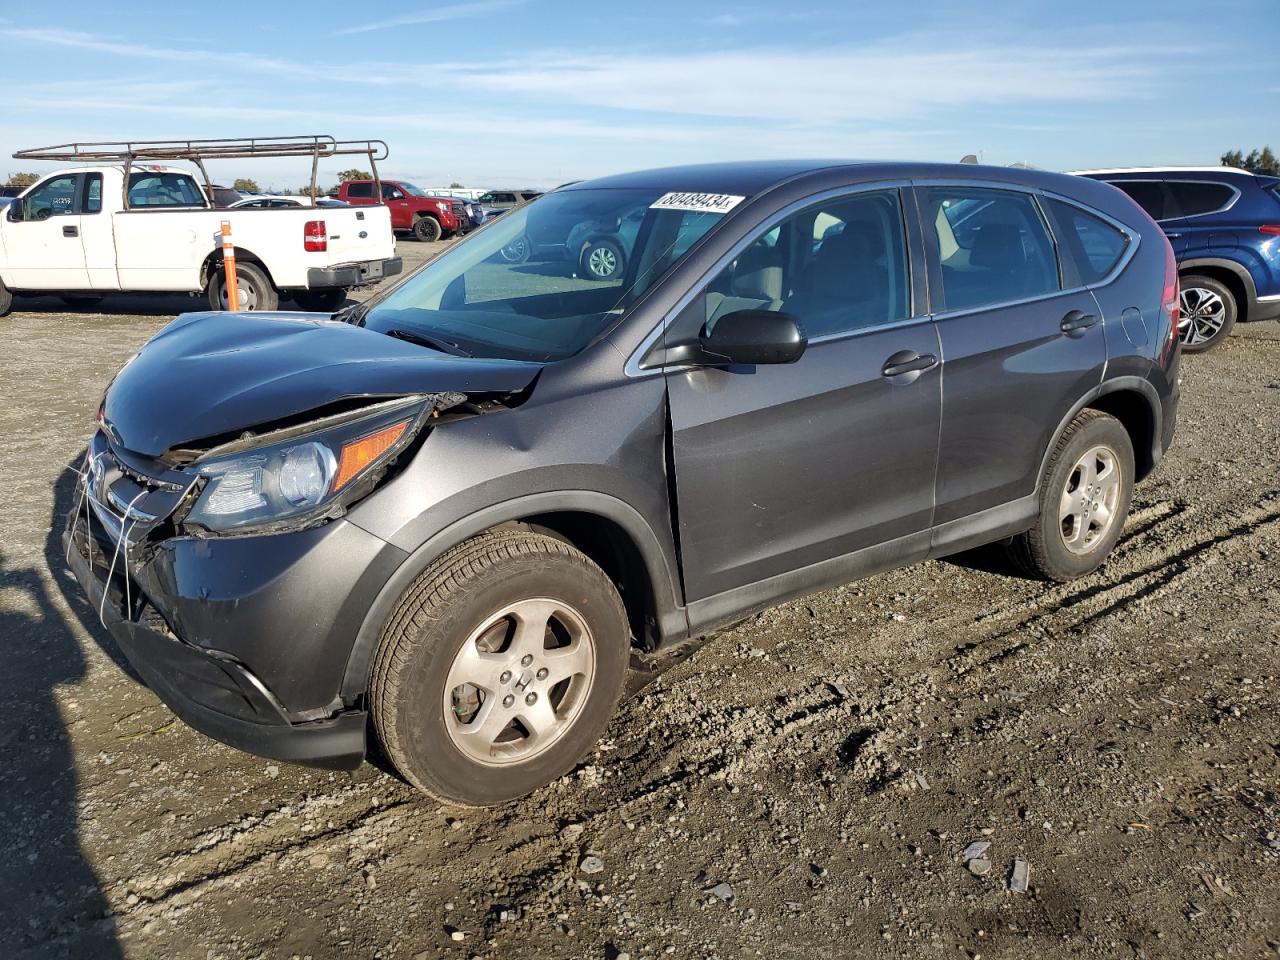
x: 316, y: 146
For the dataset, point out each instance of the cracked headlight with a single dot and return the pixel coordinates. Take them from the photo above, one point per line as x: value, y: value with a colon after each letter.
x: 309, y: 476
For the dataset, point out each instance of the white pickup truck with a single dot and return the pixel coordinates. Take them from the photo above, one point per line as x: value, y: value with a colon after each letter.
x: 82, y: 232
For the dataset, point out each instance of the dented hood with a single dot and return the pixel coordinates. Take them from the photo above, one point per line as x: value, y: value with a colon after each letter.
x: 210, y: 374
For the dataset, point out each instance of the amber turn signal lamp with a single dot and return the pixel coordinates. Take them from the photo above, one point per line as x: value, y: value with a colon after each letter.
x: 358, y: 454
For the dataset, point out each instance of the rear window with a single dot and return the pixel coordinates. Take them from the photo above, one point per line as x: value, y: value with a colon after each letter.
x: 360, y: 190
x: 1093, y: 244
x: 1150, y: 195
x: 164, y: 190
x: 1195, y: 198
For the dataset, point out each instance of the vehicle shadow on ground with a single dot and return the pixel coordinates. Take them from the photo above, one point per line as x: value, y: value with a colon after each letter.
x: 126, y: 305
x: 51, y: 902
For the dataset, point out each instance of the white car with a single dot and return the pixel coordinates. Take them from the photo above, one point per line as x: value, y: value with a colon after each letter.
x: 82, y: 232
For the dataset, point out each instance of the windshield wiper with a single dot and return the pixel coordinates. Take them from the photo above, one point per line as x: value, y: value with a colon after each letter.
x: 431, y: 343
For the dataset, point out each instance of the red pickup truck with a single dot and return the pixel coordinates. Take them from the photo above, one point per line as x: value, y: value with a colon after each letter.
x: 430, y: 218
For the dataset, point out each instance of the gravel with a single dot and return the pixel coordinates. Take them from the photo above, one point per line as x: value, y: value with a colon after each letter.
x: 1121, y: 733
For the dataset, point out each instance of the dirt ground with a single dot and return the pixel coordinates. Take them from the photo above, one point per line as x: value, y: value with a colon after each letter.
x: 804, y: 786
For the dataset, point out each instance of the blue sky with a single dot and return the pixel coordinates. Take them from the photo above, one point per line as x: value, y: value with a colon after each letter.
x: 516, y: 92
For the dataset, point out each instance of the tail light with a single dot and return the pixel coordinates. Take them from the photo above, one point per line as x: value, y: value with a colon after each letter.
x: 315, y: 236
x: 1270, y: 228
x: 1170, y: 302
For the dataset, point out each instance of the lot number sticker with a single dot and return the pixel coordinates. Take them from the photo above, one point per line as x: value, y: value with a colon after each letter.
x: 698, y: 202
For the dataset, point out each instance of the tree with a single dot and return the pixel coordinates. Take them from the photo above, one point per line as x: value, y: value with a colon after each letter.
x: 23, y: 179
x: 246, y: 186
x: 456, y: 186
x: 354, y: 174
x: 1258, y: 161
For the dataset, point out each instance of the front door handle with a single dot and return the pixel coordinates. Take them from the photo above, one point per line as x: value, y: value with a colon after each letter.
x: 1078, y: 320
x: 908, y: 361
x: 70, y: 232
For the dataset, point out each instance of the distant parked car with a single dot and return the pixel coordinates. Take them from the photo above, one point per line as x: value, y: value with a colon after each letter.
x: 429, y: 217
x: 597, y: 246
x: 9, y: 192
x: 1224, y: 225
x: 498, y: 202
x: 284, y: 201
x: 224, y: 197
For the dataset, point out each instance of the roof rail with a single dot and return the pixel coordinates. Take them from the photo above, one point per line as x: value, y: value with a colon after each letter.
x: 1170, y: 169
x: 315, y: 147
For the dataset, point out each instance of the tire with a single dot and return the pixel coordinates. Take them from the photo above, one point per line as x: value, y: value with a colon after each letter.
x: 427, y: 229
x: 256, y: 290
x: 1208, y: 312
x: 81, y: 302
x: 602, y: 260
x: 470, y: 599
x: 6, y: 300
x: 517, y: 251
x: 1062, y: 545
x: 320, y: 301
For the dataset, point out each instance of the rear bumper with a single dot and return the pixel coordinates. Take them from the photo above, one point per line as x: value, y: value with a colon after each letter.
x: 353, y: 274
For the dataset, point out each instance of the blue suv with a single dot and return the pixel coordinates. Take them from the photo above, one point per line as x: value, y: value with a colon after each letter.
x: 1224, y: 225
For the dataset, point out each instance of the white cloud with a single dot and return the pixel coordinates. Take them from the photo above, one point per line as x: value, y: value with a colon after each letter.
x: 452, y: 11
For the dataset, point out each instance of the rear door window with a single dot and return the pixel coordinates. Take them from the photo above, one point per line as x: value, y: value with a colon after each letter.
x: 1093, y: 244
x: 1193, y: 198
x: 360, y: 191
x: 164, y: 190
x: 1150, y: 195
x: 993, y: 246
x: 93, y: 193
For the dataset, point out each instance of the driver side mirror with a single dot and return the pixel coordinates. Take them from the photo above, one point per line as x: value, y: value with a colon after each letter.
x: 753, y: 336
x: 17, y: 209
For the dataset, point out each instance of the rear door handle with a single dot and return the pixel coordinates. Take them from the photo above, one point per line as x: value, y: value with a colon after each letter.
x: 70, y: 232
x: 1078, y: 320
x: 908, y: 361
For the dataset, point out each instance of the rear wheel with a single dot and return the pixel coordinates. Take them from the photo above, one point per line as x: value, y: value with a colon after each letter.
x: 1207, y: 313
x: 6, y: 299
x: 1084, y: 500
x: 320, y: 301
x: 81, y: 302
x: 427, y: 229
x: 499, y: 668
x: 517, y: 251
x: 256, y: 291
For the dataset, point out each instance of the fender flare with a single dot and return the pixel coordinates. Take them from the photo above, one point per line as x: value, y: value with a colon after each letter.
x: 1250, y: 287
x: 1115, y: 385
x: 670, y: 615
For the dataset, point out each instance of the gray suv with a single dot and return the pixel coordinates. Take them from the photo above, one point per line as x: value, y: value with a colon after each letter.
x: 455, y: 519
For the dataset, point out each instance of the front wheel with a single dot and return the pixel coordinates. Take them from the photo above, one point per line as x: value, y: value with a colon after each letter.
x: 320, y: 301
x: 1084, y: 499
x: 255, y: 289
x: 6, y: 299
x: 427, y: 229
x: 602, y: 260
x: 499, y: 668
x: 1207, y: 313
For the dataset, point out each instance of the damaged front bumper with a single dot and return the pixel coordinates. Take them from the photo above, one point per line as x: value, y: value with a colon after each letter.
x: 245, y: 638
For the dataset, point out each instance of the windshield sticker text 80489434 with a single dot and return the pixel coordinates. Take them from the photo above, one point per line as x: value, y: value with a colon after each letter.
x: 697, y: 202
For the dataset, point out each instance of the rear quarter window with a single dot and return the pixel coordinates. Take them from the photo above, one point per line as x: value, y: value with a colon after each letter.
x: 360, y: 190
x: 1194, y: 198
x: 1094, y: 245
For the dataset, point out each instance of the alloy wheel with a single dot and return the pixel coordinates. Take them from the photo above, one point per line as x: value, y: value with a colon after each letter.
x: 602, y: 262
x: 518, y: 683
x: 1087, y: 508
x: 1203, y: 312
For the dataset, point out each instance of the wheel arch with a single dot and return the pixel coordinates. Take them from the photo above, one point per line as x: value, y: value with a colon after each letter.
x: 612, y: 533
x: 1233, y: 275
x: 214, y: 262
x: 1134, y: 402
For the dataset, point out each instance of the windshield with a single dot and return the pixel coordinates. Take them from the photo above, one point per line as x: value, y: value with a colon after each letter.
x: 411, y: 190
x: 548, y: 278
